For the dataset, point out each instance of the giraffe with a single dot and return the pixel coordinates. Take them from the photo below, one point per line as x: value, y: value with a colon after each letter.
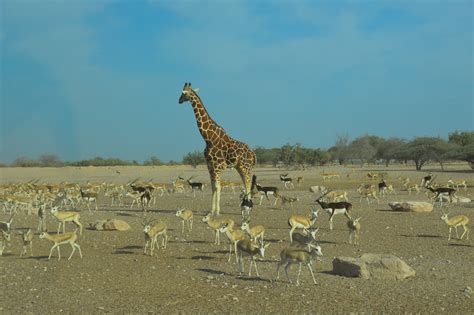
x: 221, y: 150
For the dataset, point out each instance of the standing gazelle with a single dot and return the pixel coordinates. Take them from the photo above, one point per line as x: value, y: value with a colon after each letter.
x: 27, y: 238
x: 302, y: 222
x: 455, y: 222
x: 354, y: 229
x: 252, y: 249
x: 186, y: 216
x: 66, y: 216
x: 151, y: 234
x: 66, y: 238
x: 234, y: 237
x: 291, y: 256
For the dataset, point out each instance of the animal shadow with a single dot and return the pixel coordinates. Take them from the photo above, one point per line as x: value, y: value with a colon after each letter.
x: 212, y: 271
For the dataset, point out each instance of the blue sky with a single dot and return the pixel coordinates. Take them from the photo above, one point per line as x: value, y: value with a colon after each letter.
x: 102, y: 78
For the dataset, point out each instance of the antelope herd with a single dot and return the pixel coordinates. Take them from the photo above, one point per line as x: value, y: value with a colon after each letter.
x: 245, y: 240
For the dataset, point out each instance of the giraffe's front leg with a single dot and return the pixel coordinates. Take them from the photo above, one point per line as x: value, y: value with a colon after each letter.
x: 216, y: 189
x: 246, y: 178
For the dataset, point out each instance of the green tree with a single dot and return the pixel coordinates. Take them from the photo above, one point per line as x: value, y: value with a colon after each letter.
x: 462, y: 138
x: 194, y: 159
x: 25, y: 162
x: 424, y: 149
x: 50, y: 160
x: 153, y: 161
x: 362, y: 150
x: 340, y: 151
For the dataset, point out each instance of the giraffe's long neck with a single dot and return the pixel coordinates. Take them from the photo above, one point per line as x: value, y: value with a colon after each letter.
x: 211, y: 132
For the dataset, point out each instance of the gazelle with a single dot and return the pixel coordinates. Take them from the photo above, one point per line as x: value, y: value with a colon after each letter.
x: 333, y: 208
x: 291, y: 256
x: 354, y: 229
x: 231, y: 185
x: 234, y: 237
x: 336, y: 195
x: 412, y: 186
x: 66, y: 238
x: 368, y: 193
x: 299, y: 180
x: 287, y: 181
x: 270, y: 190
x: 383, y: 188
x: 195, y: 186
x: 5, y: 236
x: 135, y: 196
x: 7, y: 225
x: 66, y: 216
x: 255, y: 232
x: 426, y: 180
x: 457, y: 184
x: 41, y: 218
x: 442, y: 191
x: 89, y: 197
x: 287, y: 200
x: 302, y: 240
x: 246, y: 205
x: 302, y: 222
x: 151, y: 234
x: 458, y: 220
x: 27, y: 238
x: 327, y: 176
x: 251, y: 249
x: 215, y: 224
x: 186, y: 216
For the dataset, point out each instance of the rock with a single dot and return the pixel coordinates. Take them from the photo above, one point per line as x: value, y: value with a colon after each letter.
x: 377, y: 266
x: 116, y: 225
x: 411, y: 206
x: 98, y: 225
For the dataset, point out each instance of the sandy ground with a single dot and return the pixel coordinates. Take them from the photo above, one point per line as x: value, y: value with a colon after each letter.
x: 193, y: 275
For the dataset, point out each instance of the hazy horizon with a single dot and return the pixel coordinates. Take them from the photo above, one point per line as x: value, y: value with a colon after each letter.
x: 82, y: 79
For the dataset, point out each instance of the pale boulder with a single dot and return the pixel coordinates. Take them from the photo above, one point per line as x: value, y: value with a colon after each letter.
x: 373, y: 266
x: 411, y: 206
x: 116, y: 225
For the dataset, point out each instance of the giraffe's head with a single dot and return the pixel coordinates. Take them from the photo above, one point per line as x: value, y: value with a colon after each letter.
x: 186, y: 93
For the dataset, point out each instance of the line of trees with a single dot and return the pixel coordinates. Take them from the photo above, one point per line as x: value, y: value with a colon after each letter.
x: 365, y: 149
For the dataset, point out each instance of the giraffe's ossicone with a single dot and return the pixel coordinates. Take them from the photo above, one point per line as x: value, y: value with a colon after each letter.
x: 221, y: 150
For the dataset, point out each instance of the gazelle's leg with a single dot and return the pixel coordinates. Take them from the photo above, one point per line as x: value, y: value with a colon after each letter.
x: 79, y: 248
x: 312, y: 273
x: 286, y: 272
x: 73, y: 250
x: 298, y: 277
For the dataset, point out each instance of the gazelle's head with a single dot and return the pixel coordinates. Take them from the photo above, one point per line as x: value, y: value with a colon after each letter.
x: 180, y: 211
x: 42, y: 235
x: 54, y: 210
x: 206, y: 218
x: 224, y: 227
x: 315, y: 249
x: 186, y: 93
x: 312, y: 231
x: 355, y: 221
x: 244, y: 226
x: 444, y: 217
x: 314, y: 213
